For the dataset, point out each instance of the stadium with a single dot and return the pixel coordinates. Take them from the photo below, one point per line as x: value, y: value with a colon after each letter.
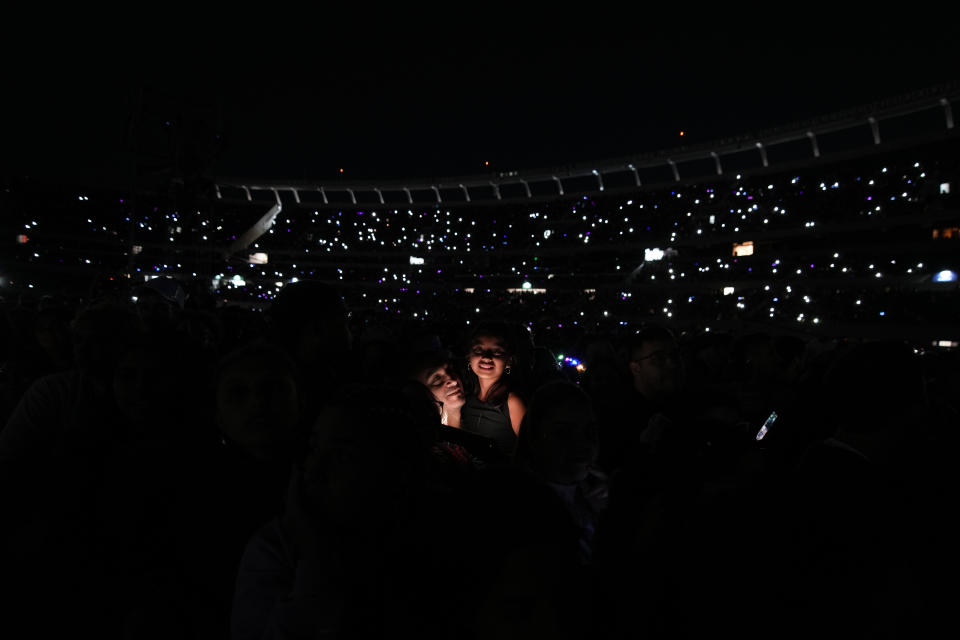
x: 703, y: 389
x: 842, y: 226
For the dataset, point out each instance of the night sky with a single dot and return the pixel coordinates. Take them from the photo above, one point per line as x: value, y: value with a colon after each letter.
x: 433, y: 102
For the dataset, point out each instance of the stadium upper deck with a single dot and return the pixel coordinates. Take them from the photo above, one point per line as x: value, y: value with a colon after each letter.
x: 858, y: 236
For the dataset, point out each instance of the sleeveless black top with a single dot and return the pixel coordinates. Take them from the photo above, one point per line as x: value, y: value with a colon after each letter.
x: 490, y: 421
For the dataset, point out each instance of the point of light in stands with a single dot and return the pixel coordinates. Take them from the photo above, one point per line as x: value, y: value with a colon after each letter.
x: 945, y: 276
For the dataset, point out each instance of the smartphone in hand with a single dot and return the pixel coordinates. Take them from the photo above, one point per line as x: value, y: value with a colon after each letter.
x: 766, y: 425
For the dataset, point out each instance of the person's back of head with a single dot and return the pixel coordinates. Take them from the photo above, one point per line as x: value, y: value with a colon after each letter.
x: 259, y: 401
x: 874, y: 386
x: 309, y: 319
x: 754, y: 356
x: 156, y: 387
x: 558, y: 437
x: 159, y: 303
x: 367, y: 456
x: 101, y: 332
x: 546, y: 368
x: 789, y: 351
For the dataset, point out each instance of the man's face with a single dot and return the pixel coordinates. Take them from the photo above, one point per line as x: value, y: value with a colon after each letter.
x: 445, y: 386
x: 657, y: 369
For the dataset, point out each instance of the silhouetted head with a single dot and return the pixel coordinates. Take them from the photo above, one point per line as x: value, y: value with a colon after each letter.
x: 309, y: 319
x: 367, y: 457
x: 258, y: 402
x: 558, y: 437
x: 874, y: 385
x: 102, y: 333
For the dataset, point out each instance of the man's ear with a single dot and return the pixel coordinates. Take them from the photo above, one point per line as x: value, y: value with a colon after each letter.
x: 634, y: 367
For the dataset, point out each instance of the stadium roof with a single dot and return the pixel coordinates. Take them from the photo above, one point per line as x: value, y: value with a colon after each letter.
x: 398, y: 104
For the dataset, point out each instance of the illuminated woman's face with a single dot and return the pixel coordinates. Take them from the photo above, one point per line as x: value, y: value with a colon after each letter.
x: 488, y: 358
x: 445, y: 386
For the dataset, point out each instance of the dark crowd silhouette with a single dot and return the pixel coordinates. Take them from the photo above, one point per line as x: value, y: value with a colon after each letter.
x: 174, y: 469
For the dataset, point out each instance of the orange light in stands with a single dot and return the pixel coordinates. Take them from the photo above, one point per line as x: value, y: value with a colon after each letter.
x: 22, y: 239
x: 681, y: 133
x: 341, y: 170
x: 946, y: 233
x: 486, y: 163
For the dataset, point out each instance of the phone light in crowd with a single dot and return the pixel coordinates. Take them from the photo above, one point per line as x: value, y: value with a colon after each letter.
x: 257, y: 258
x: 945, y: 276
x: 22, y: 239
x: 238, y: 281
x: 766, y: 425
x: 416, y: 260
x: 944, y: 188
x: 527, y: 285
x: 728, y: 291
x: 581, y: 368
x: 743, y: 248
x: 946, y: 344
x: 652, y: 255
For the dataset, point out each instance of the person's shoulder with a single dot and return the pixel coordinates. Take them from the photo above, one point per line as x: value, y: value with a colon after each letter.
x: 62, y: 382
x: 269, y: 545
x: 516, y: 400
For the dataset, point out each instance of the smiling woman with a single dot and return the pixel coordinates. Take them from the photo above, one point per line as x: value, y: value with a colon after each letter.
x: 492, y: 409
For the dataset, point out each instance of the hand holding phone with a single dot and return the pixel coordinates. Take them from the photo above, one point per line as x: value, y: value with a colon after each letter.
x: 766, y: 425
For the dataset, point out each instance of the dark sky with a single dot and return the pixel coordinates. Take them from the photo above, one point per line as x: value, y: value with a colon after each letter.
x: 396, y: 102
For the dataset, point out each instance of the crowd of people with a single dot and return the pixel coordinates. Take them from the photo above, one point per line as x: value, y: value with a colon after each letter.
x: 836, y: 233
x: 649, y: 414
x: 179, y: 469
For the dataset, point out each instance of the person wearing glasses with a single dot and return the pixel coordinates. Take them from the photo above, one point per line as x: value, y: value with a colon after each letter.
x: 657, y: 370
x: 656, y: 366
x: 633, y: 416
